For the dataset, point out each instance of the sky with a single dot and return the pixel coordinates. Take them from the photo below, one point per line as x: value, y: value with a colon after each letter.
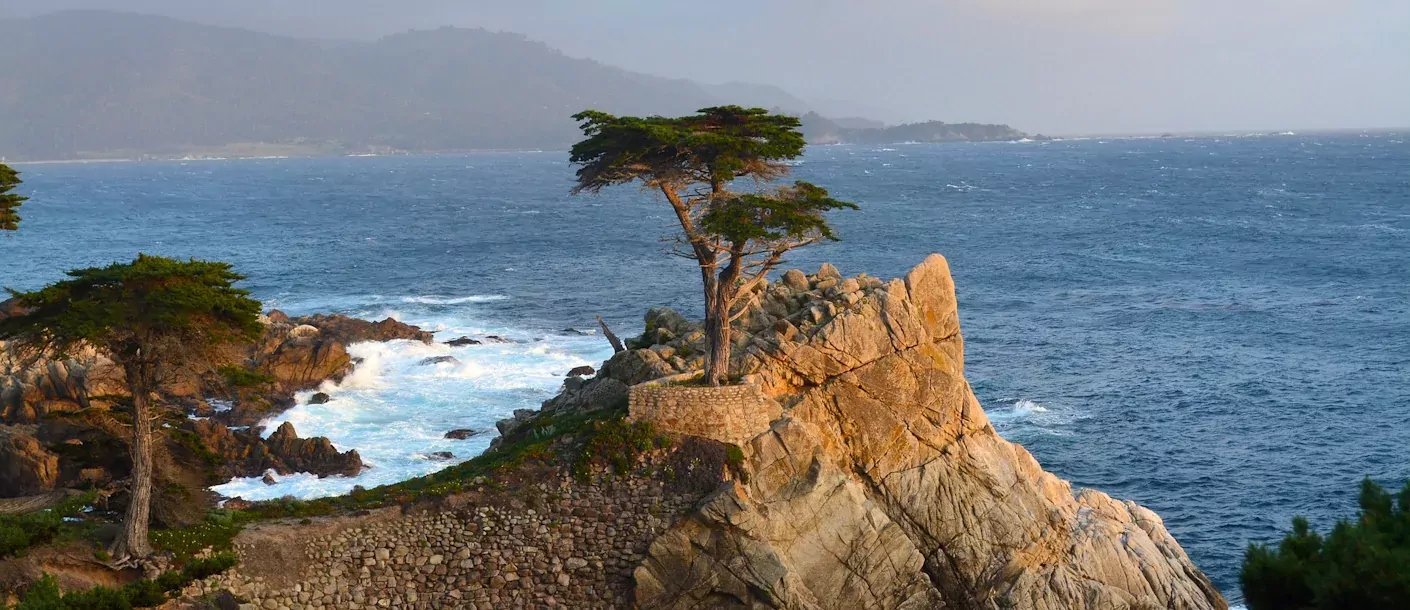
x: 1044, y: 66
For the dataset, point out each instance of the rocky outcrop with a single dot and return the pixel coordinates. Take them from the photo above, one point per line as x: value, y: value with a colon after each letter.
x: 29, y: 393
x: 353, y: 330
x: 302, y: 362
x: 316, y: 455
x: 26, y: 467
x: 70, y: 402
x: 883, y: 485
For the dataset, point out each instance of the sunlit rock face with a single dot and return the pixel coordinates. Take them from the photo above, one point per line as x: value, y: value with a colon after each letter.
x: 883, y: 484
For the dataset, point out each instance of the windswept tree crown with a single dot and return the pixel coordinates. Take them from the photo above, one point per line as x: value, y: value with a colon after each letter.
x: 714, y: 146
x: 736, y: 237
x: 167, y: 307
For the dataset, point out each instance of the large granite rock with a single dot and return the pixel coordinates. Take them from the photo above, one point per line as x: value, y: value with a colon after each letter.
x: 883, y: 485
x: 30, y: 392
x: 26, y: 467
x: 352, y: 330
x: 316, y: 455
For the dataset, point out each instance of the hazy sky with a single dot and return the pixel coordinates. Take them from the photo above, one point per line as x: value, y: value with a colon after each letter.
x: 1051, y: 66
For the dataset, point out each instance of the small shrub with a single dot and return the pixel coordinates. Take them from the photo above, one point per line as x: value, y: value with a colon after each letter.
x: 242, y: 377
x: 617, y: 444
x: 141, y: 593
x: 20, y: 532
x: 200, y: 569
x: 1362, y: 564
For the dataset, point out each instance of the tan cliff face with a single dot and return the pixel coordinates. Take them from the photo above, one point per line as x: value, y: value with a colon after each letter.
x: 883, y: 484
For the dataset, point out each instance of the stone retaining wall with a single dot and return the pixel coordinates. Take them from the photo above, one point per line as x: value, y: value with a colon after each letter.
x: 729, y: 414
x: 576, y: 550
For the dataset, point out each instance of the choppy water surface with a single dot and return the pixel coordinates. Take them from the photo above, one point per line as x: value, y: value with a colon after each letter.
x: 1216, y: 328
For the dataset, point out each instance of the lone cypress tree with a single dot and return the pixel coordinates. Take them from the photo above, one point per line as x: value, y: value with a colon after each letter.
x: 153, y: 317
x: 736, y: 238
x: 9, y: 202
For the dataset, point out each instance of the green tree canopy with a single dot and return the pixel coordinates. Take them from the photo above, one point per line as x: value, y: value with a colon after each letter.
x: 152, y: 316
x: 1362, y: 564
x: 9, y: 202
x: 695, y: 162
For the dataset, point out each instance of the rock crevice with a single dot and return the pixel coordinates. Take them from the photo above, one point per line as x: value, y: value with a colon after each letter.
x: 884, y: 485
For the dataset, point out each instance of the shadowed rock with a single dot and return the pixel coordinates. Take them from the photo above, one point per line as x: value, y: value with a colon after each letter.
x: 883, y: 485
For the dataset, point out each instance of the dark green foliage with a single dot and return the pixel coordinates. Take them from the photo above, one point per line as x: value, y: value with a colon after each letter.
x: 791, y: 213
x: 1362, y: 564
x: 198, y: 569
x: 151, y: 310
x: 714, y: 147
x: 617, y: 444
x: 9, y: 202
x: 695, y: 161
x: 734, y: 458
x: 19, y: 532
x: 141, y: 593
x: 242, y: 377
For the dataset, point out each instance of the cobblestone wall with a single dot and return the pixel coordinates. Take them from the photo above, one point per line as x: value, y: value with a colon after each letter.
x: 577, y: 550
x: 729, y: 414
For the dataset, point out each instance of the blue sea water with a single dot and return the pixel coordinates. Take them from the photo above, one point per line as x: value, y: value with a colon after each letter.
x: 1217, y: 328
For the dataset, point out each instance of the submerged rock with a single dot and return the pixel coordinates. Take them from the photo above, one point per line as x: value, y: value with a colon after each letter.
x: 462, y: 341
x: 434, y: 360
x: 463, y: 434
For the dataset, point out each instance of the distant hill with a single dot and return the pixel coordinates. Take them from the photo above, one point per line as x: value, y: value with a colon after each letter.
x: 93, y: 84
x: 821, y: 130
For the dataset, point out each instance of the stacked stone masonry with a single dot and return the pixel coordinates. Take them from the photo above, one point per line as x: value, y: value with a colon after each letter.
x: 729, y: 414
x: 576, y: 550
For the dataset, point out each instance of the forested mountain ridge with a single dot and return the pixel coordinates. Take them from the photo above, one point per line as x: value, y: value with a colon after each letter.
x: 94, y: 84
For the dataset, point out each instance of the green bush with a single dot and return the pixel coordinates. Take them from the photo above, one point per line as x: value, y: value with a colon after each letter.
x: 618, y: 444
x: 141, y: 593
x: 242, y: 377
x: 1361, y: 565
x: 19, y: 532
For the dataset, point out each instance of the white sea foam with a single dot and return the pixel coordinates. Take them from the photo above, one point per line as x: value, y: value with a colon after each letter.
x: 395, y: 410
x: 447, y: 300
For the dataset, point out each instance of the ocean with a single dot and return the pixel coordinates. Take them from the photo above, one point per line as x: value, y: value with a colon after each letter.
x: 1217, y: 328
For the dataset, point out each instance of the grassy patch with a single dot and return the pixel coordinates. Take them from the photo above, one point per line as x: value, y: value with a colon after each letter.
x: 20, y: 532
x: 141, y: 593
x: 192, y: 442
x: 242, y: 377
x: 616, y: 444
x: 216, y: 533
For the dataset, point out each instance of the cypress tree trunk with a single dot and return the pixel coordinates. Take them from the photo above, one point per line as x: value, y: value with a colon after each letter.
x: 717, y: 332
x: 132, y: 542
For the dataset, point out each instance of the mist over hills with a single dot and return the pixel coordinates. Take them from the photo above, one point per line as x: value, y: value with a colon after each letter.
x: 91, y: 84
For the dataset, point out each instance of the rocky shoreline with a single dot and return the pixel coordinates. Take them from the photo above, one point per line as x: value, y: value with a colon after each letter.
x: 62, y: 421
x: 881, y: 484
